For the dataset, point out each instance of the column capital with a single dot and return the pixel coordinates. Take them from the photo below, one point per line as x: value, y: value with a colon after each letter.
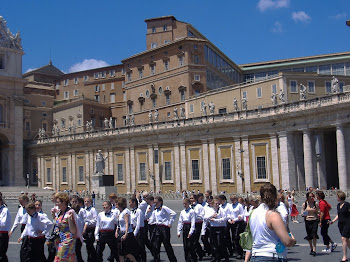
x: 236, y: 138
x: 182, y: 143
x: 211, y: 140
x: 273, y: 135
x: 245, y: 138
x: 204, y: 141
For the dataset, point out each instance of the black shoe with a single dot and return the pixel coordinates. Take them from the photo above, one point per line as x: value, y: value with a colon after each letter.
x: 313, y: 253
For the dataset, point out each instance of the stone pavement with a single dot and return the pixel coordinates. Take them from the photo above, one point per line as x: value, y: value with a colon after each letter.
x: 298, y: 253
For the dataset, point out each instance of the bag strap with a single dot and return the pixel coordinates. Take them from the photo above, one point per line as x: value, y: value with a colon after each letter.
x: 248, y: 226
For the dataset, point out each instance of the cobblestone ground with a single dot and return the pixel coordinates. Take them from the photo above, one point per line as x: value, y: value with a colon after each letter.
x: 298, y: 253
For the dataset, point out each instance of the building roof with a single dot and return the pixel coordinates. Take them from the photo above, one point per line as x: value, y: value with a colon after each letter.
x: 160, y: 18
x: 295, y: 61
x: 45, y: 70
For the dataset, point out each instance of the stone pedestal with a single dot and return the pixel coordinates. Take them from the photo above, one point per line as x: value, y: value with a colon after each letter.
x: 101, y: 185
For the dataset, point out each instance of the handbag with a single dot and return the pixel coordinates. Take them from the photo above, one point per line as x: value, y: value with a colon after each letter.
x: 246, y: 238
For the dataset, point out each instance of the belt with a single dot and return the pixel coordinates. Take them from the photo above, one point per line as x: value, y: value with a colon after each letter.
x: 35, y: 237
x: 162, y: 225
x: 3, y: 232
x: 106, y: 230
x: 267, y: 254
x: 199, y: 222
x: 187, y: 223
x: 23, y: 224
x: 90, y: 227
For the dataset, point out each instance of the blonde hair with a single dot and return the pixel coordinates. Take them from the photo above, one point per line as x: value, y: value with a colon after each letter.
x: 62, y: 197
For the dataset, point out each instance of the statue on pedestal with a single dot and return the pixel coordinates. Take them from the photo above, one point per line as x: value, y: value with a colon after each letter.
x: 106, y: 123
x: 156, y: 115
x: 211, y: 108
x: 182, y: 112
x: 110, y: 123
x: 204, y: 109
x: 302, y: 92
x: 274, y: 99
x: 335, y: 85
x: 235, y: 104
x: 244, y: 103
x: 176, y: 116
x: 150, y: 118
x: 132, y: 120
x: 282, y: 96
x: 100, y: 163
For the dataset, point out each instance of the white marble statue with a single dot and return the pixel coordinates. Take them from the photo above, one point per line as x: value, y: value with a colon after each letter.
x: 182, y: 112
x: 110, y: 123
x: 100, y: 163
x: 335, y: 85
x: 244, y: 103
x: 281, y: 96
x: 235, y: 104
x: 106, y: 123
x: 204, y: 109
x: 127, y: 120
x: 150, y: 117
x: 156, y: 115
x: 132, y: 120
x: 7, y: 39
x: 302, y: 92
x: 176, y: 115
x: 211, y: 108
x: 274, y: 99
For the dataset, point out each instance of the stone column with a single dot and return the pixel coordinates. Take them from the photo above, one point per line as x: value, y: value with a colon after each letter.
x: 132, y: 169
x: 18, y: 144
x: 74, y: 175
x: 320, y: 161
x: 213, y: 174
x: 299, y: 161
x: 206, y: 177
x: 238, y: 162
x: 177, y: 166
x: 183, y: 165
x: 156, y: 169
x: 53, y: 165
x: 274, y: 160
x: 87, y: 170
x: 341, y: 155
x: 40, y: 172
x: 111, y: 163
x: 127, y: 171
x: 151, y: 169
x: 69, y: 173
x: 57, y: 176
x: 287, y: 161
x: 308, y: 166
x: 91, y: 168
x: 106, y: 151
x: 246, y: 164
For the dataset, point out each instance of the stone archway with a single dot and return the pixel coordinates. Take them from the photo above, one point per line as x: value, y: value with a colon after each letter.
x: 4, y: 160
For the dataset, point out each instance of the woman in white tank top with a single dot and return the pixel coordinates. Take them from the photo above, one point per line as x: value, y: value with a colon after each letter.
x: 270, y: 236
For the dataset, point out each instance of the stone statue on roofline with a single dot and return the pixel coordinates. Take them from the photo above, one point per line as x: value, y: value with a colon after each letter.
x: 100, y: 163
x: 244, y: 103
x: 150, y: 118
x: 211, y: 108
x: 204, y: 109
x: 110, y: 123
x: 302, y: 92
x: 176, y: 115
x: 132, y: 120
x: 282, y: 96
x: 182, y: 112
x: 235, y: 104
x: 156, y: 115
x: 335, y: 85
x: 106, y: 123
x: 7, y: 39
x: 274, y: 99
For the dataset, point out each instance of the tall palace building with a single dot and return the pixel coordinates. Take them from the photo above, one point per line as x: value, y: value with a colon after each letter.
x: 180, y: 115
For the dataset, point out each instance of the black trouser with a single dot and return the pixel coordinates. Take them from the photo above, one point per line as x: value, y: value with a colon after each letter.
x: 109, y: 239
x: 205, y: 240
x: 33, y: 249
x: 141, y: 239
x: 152, y: 233
x: 147, y: 239
x: 217, y: 241
x: 238, y: 228
x: 4, y: 244
x: 324, y: 231
x: 189, y: 250
x: 162, y: 235
x: 197, y: 246
x: 21, y: 252
x: 228, y: 239
x: 78, y: 246
x: 89, y: 239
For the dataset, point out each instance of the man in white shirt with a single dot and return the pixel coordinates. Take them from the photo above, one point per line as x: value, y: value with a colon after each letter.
x: 5, y: 224
x: 199, y: 216
x: 226, y: 212
x: 89, y: 229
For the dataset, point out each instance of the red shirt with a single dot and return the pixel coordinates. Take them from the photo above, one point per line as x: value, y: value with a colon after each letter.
x: 325, y: 207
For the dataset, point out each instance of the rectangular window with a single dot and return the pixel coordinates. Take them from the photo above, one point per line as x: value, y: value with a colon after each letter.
x: 311, y: 69
x: 154, y: 45
x: 156, y: 156
x: 153, y: 69
x: 167, y: 173
x: 123, y: 84
x: 154, y: 103
x: 97, y: 98
x: 27, y: 125
x: 142, y: 171
x: 63, y: 123
x: 76, y: 80
x: 66, y: 82
x: 130, y: 108
x: 66, y: 95
x: 167, y: 99
x: 222, y: 111
x: 112, y: 99
x: 81, y: 173
x: 261, y: 167
x: 328, y: 86
x: 166, y: 65
x: 96, y: 75
x: 338, y: 69
x: 140, y: 73
x: 153, y: 29
x: 86, y: 78
x: 76, y: 92
x: 120, y: 172
x: 111, y: 73
x: 258, y: 92
x: 293, y: 86
x: 197, y: 77
x: 274, y: 89
x: 97, y: 88
x: 128, y: 76
x: 195, y: 169
x: 103, y: 74
x: 35, y: 175
x: 311, y: 86
x: 103, y: 87
x: 182, y: 95
x: 244, y: 94
x: 260, y: 76
x: 181, y: 60
x: 325, y: 69
x: 48, y: 175
x: 64, y: 174
x: 112, y: 86
x: 124, y: 96
x: 165, y: 28
x: 226, y: 168
x: 191, y: 108
x: 196, y: 59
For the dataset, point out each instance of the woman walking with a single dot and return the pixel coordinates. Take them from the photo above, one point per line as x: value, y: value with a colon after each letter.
x: 310, y: 213
x: 270, y: 236
x: 343, y: 216
x: 325, y: 220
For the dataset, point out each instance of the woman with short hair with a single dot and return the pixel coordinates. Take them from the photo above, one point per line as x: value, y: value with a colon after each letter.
x: 343, y: 216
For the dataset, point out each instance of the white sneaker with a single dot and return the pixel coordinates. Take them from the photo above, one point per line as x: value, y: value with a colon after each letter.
x: 326, y: 250
x: 334, y: 246
x: 296, y: 221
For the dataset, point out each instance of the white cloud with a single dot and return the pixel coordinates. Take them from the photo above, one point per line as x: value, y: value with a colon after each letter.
x: 339, y: 16
x: 87, y: 64
x: 301, y: 16
x: 272, y: 4
x: 29, y: 69
x: 277, y: 27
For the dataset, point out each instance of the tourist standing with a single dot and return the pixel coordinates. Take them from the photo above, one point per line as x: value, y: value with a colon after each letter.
x: 205, y: 232
x: 224, y: 206
x: 164, y: 217
x: 138, y: 225
x: 199, y: 216
x: 310, y: 213
x: 5, y: 224
x: 23, y: 201
x: 343, y: 218
x: 186, y: 225
x: 77, y: 204
x: 270, y: 236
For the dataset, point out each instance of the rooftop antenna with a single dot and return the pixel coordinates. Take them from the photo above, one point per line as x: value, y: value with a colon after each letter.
x: 50, y: 63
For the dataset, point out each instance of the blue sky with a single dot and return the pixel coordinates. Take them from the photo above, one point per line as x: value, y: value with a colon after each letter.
x: 86, y: 33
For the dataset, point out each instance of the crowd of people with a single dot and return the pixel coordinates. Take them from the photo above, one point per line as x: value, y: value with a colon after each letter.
x: 129, y: 226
